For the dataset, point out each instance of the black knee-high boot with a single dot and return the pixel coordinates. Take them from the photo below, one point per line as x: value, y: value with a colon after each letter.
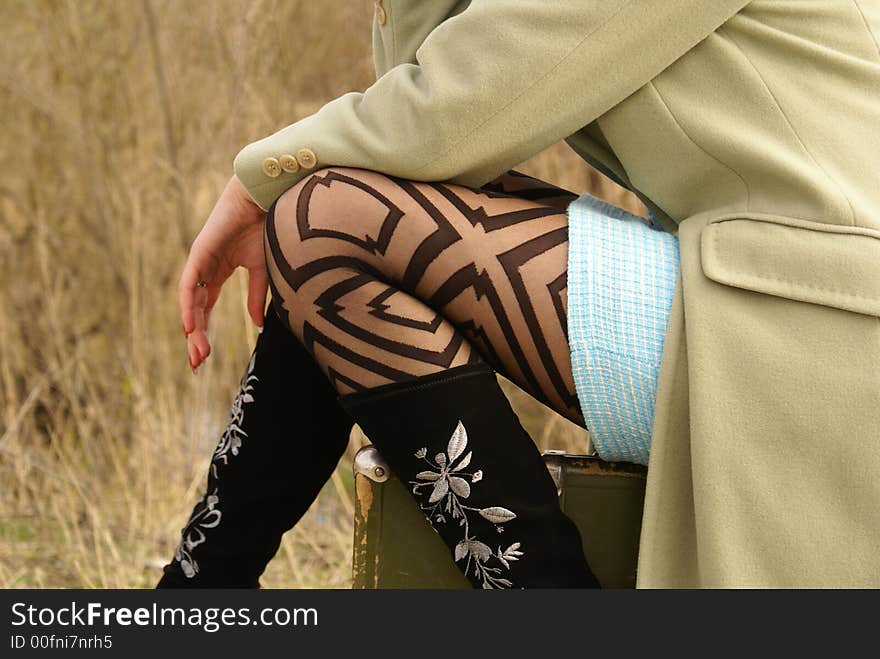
x: 285, y: 436
x: 453, y: 438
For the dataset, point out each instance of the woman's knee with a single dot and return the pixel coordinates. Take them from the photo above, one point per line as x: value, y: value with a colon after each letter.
x: 320, y: 224
x: 282, y: 217
x: 335, y: 209
x: 349, y: 218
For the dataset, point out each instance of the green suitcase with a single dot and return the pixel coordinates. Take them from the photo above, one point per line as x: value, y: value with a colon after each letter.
x: 395, y: 546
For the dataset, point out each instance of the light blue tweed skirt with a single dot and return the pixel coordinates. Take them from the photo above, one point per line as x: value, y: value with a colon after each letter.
x: 622, y: 271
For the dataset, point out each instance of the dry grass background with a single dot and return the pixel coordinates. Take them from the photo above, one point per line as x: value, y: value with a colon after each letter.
x: 119, y: 123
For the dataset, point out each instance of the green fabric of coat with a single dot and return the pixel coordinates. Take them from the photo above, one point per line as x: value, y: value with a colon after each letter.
x: 752, y: 129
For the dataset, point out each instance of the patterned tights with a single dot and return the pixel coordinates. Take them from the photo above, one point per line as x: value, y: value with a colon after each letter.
x: 384, y: 279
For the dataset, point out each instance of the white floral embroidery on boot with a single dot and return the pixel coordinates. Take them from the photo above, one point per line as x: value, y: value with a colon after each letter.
x: 450, y: 486
x: 208, y: 515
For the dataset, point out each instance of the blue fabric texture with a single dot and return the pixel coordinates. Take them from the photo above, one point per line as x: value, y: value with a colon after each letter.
x: 622, y: 271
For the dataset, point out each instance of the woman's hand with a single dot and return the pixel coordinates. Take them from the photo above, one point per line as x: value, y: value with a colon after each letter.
x: 232, y: 237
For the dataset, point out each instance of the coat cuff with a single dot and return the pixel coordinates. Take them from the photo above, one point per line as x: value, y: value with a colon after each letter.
x: 269, y: 167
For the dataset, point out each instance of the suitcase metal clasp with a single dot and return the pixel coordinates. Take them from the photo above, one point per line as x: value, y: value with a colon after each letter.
x: 368, y: 462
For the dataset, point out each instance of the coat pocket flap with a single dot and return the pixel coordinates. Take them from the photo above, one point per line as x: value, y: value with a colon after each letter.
x: 832, y: 265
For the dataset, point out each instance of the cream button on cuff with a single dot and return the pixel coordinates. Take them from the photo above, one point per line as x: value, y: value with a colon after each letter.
x: 271, y: 167
x: 289, y: 163
x: 306, y: 158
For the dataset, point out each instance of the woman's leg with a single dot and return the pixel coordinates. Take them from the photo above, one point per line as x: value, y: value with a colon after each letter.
x: 267, y: 468
x: 385, y: 280
x: 403, y: 291
x: 251, y: 497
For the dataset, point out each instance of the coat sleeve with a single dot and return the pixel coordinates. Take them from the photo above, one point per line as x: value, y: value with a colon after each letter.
x: 411, y: 21
x: 491, y: 86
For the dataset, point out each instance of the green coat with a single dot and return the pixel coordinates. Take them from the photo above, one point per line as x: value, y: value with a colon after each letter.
x: 753, y: 130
